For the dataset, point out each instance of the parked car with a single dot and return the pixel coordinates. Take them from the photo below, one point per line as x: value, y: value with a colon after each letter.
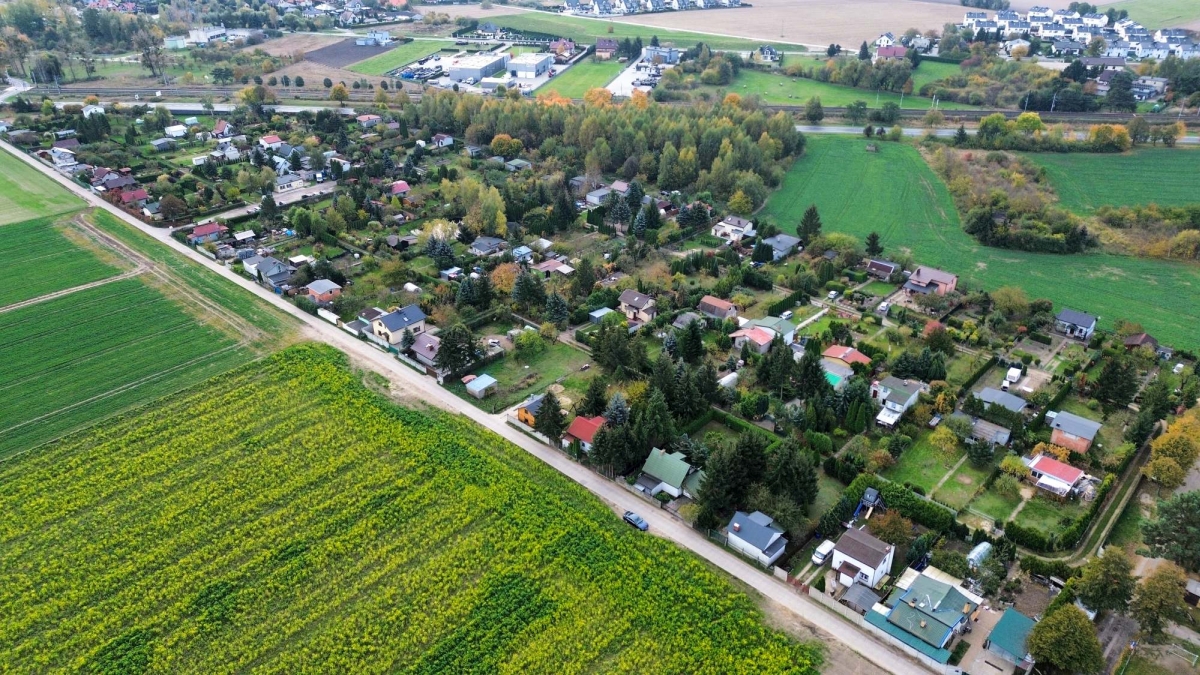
x: 832, y: 295
x: 787, y: 315
x: 636, y: 521
x: 822, y: 553
x: 883, y: 307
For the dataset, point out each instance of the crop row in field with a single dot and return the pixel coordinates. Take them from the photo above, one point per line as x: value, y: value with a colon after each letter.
x: 72, y: 360
x: 895, y: 193
x: 284, y: 519
x: 38, y: 260
x: 26, y: 194
x: 1083, y: 182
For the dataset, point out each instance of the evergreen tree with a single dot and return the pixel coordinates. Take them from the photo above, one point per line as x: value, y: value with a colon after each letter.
x: 595, y: 400
x: 550, y: 420
x: 635, y: 193
x: 406, y: 340
x: 457, y: 350
x: 691, y: 346
x: 763, y: 252
x: 557, y: 311
x: 482, y: 292
x: 874, y: 248
x: 1175, y: 533
x: 864, y: 52
x: 810, y: 376
x: 584, y: 279
x: 620, y: 212
x: 725, y: 484
x: 810, y: 224
x: 960, y: 137
x: 752, y: 453
x: 639, y: 225
x: 1118, y: 382
x: 791, y: 473
x: 654, y: 426
x: 528, y: 291
x: 617, y: 411
x: 671, y: 345
x: 466, y: 293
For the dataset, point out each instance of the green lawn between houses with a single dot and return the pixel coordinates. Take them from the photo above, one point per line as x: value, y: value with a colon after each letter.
x: 575, y: 81
x: 519, y: 378
x: 1163, y: 176
x: 895, y: 193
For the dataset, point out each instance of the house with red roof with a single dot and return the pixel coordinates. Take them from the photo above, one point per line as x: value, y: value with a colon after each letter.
x: 1054, y: 476
x: 222, y: 129
x: 271, y: 142
x: 847, y: 355
x: 203, y: 233
x: 583, y: 429
x: 136, y: 197
x: 717, y: 308
x: 758, y: 337
x: 400, y: 188
x: 893, y: 53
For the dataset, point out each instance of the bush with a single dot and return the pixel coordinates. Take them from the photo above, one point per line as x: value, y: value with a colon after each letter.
x: 960, y: 650
x: 1049, y: 568
x: 908, y: 503
x: 835, y: 286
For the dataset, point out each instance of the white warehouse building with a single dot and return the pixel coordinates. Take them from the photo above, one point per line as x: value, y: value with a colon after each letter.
x: 530, y: 65
x: 477, y: 66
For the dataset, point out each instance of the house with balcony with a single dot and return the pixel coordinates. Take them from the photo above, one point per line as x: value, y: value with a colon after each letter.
x: 895, y: 396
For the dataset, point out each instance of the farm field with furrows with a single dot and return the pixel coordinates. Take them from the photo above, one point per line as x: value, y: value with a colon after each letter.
x: 74, y: 359
x: 1163, y: 176
x: 39, y: 259
x: 26, y: 194
x: 910, y: 207
x: 285, y: 519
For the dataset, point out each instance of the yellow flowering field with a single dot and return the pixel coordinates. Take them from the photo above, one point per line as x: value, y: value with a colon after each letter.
x: 284, y: 519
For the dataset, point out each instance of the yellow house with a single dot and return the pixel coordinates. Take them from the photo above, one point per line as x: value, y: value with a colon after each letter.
x: 528, y: 411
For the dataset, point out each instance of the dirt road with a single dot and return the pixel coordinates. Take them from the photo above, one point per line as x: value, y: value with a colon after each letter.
x: 661, y: 524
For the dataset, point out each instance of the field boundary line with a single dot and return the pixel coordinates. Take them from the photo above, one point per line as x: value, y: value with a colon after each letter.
x: 140, y: 269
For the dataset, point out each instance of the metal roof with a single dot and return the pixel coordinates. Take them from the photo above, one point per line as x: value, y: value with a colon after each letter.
x: 670, y: 468
x: 402, y: 318
x: 863, y: 547
x: 757, y: 529
x: 1003, y: 399
x: 1075, y: 425
x: 1011, y: 633
x: 1076, y: 318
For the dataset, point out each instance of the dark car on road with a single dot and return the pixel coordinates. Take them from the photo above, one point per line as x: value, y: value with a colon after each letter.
x: 636, y: 521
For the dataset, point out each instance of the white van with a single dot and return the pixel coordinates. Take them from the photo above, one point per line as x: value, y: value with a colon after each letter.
x: 786, y: 315
x: 823, y: 552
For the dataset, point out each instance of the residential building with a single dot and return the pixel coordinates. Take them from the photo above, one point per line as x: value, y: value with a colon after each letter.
x: 606, y: 48
x: 882, y: 269
x: 1078, y: 325
x: 757, y: 536
x: 484, y: 246
x: 323, y: 290
x: 270, y: 142
x: 733, y: 229
x: 782, y: 245
x: 530, y: 66
x: 63, y: 158
x: 983, y: 431
x: 222, y: 129
x: 368, y: 121
x: 425, y: 349
x: 895, y: 396
x: 778, y: 326
x: 1010, y: 636
x: 664, y: 55
x: 391, y: 326
x: 269, y: 271
x: 552, y: 266
x: 620, y: 187
x: 837, y: 362
x: 1073, y: 432
x: 860, y: 557
x: 598, y: 196
x: 684, y: 319
x: 927, y: 616
x: 175, y: 131
x: 669, y: 472
x: 638, y: 308
x: 1141, y: 340
x: 288, y: 181
x: 717, y: 308
x: 1005, y: 400
x: 759, y: 339
x: 481, y: 386
x: 583, y: 429
x: 442, y: 141
x: 925, y: 280
x: 528, y: 411
x: 1103, y: 62
x: 893, y: 53
x: 135, y: 198
x: 515, y: 165
x: 152, y: 211
x: 205, y: 233
x: 888, y: 40
x: 162, y: 144
x: 1054, y: 476
x: 561, y: 46
x: 846, y: 355
x: 598, y: 315
x: 89, y: 110
x: 522, y: 254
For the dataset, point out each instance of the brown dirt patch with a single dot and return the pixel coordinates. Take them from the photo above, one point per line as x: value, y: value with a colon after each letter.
x: 965, y: 480
x: 839, y: 659
x: 289, y: 44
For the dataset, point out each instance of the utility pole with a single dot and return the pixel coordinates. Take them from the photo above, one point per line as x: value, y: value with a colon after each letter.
x: 1054, y: 101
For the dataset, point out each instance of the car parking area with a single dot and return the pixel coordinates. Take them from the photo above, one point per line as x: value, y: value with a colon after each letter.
x: 641, y: 75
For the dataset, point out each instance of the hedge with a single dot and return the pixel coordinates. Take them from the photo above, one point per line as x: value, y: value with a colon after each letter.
x: 908, y: 504
x: 1064, y: 598
x: 1061, y: 396
x: 975, y: 377
x: 943, y: 59
x: 1049, y: 568
x: 1039, y: 337
x: 734, y: 423
x: 790, y: 302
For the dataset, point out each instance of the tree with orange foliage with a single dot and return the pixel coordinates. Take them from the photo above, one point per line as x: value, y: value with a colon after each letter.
x: 1056, y: 451
x: 505, y: 276
x: 598, y: 97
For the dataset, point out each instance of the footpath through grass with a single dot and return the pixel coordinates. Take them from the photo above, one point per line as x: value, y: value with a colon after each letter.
x: 26, y: 193
x: 575, y: 81
x: 1163, y: 176
x: 285, y: 519
x: 895, y: 193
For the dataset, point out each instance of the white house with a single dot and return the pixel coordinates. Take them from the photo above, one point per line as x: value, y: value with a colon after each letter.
x: 270, y: 142
x: 756, y: 535
x: 442, y: 141
x: 896, y: 396
x: 391, y: 326
x: 63, y: 158
x: 733, y: 229
x: 89, y: 110
x: 1075, y: 324
x: 861, y: 557
x: 885, y: 40
x: 175, y: 131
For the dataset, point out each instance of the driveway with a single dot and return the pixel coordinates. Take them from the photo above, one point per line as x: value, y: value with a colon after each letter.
x: 618, y: 498
x: 622, y: 84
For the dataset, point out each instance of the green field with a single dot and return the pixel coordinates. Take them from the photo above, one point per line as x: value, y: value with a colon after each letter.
x: 38, y: 260
x: 1163, y: 176
x: 1160, y: 13
x: 75, y: 359
x: 400, y: 56
x: 895, y: 193
x: 587, y: 31
x: 930, y: 71
x: 575, y: 81
x: 284, y: 519
x: 26, y: 193
x: 779, y: 89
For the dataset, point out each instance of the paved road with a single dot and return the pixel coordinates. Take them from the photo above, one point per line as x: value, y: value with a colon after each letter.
x: 281, y: 199
x: 618, y: 498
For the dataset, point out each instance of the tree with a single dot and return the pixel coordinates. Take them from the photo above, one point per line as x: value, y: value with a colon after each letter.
x: 813, y: 112
x: 944, y: 440
x: 550, y: 419
x: 856, y: 112
x: 725, y: 483
x: 1120, y: 92
x: 172, y: 207
x: 1118, y: 382
x: 407, y: 339
x: 1011, y: 301
x: 457, y: 350
x: 874, y: 248
x: 339, y: 93
x: 654, y: 423
x: 1139, y: 130
x: 1165, y: 471
x: 792, y: 473
x: 1159, y: 600
x: 557, y: 310
x: 810, y: 224
x: 1175, y: 533
x: 891, y: 527
x: 595, y: 400
x: 1066, y: 640
x: 691, y: 343
x: 298, y: 81
x: 1108, y: 582
x: 740, y: 203
x: 864, y: 52
x: 960, y: 137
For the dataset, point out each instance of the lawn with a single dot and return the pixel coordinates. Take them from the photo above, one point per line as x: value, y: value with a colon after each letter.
x: 26, y: 193
x: 1049, y: 516
x: 1127, y: 532
x: 519, y: 378
x: 284, y: 518
x: 922, y: 465
x: 39, y: 259
x: 880, y: 289
x: 996, y: 506
x: 1163, y: 176
x: 575, y: 81
x: 930, y: 71
x: 895, y: 193
x: 960, y: 367
x: 777, y: 88
x: 587, y: 31
x: 400, y: 56
x: 959, y: 488
x: 71, y: 361
x: 1160, y: 13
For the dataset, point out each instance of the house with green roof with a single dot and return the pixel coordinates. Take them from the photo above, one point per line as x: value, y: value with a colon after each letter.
x: 669, y: 472
x: 926, y: 617
x: 1010, y: 638
x: 781, y: 327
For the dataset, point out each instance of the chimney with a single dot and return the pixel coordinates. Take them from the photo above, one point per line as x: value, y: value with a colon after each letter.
x: 737, y: 527
x: 923, y: 624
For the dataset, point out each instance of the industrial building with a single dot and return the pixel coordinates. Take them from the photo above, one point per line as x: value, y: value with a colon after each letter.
x: 530, y: 65
x: 477, y: 66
